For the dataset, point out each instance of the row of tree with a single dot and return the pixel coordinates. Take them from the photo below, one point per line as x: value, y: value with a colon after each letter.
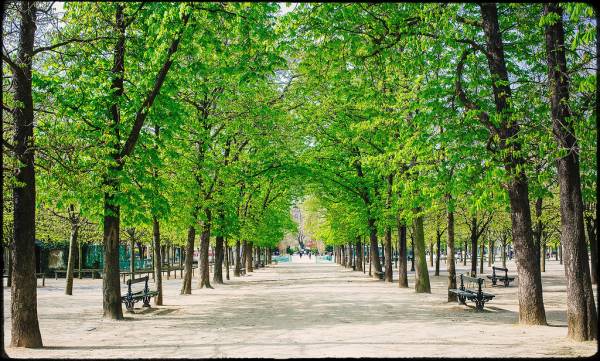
x: 210, y: 120
x: 415, y: 112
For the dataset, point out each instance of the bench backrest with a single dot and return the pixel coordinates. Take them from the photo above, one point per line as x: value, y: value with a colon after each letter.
x: 494, y: 268
x: 138, y: 280
x: 465, y: 278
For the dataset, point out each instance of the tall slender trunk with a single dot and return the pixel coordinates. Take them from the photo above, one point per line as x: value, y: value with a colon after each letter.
x: 71, y: 259
x: 203, y: 267
x: 421, y: 273
x: 481, y: 250
x: 158, y: 300
x: 80, y: 258
x: 504, y: 252
x: 132, y: 255
x: 402, y: 256
x: 592, y: 229
x: 581, y: 309
x: 490, y: 252
x: 474, y: 239
x: 359, y: 254
x: 431, y: 254
x: 236, y: 270
x: 218, y: 261
x: 249, y: 256
x: 438, y: 251
x: 450, y: 256
x: 226, y: 261
x: 186, y: 286
x: 25, y: 330
x: 374, y: 247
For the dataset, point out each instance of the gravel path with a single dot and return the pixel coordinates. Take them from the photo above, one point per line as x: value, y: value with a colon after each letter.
x: 299, y: 309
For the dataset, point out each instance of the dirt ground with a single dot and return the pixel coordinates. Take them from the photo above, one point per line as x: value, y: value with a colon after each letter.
x: 300, y: 309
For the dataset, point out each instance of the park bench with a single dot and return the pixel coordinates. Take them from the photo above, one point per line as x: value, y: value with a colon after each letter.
x: 242, y: 271
x: 132, y: 297
x: 506, y: 278
x: 477, y: 296
x: 379, y: 274
x: 123, y: 274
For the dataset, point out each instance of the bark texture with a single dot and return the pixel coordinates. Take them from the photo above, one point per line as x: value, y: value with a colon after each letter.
x: 25, y: 330
x: 581, y: 309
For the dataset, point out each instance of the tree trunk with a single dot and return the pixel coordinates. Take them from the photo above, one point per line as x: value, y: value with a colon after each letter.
x: 80, y: 258
x: 158, y: 300
x: 249, y: 256
x: 531, y: 304
x: 482, y: 250
x: 204, y: 276
x: 593, y: 240
x: 236, y: 270
x: 504, y: 252
x: 359, y: 254
x: 226, y: 261
x: 560, y: 254
x: 581, y: 309
x: 412, y: 259
x: 431, y: 254
x: 402, y: 256
x: 186, y: 287
x: 450, y: 256
x: 244, y: 251
x: 132, y: 257
x: 10, y: 264
x: 490, y: 252
x: 25, y: 330
x: 71, y: 259
x: 474, y: 239
x: 543, y: 258
x: 421, y: 274
x: 438, y: 252
x: 374, y: 247
x: 218, y: 261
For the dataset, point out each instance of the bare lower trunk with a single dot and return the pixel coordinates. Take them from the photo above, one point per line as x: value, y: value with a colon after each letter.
x: 218, y: 262
x: 227, y: 261
x: 374, y: 247
x: 204, y: 276
x: 430, y: 254
x: 593, y: 240
x: 359, y: 255
x: 450, y: 257
x: 421, y: 273
x: 581, y: 309
x: 111, y: 283
x: 236, y: 270
x: 25, y: 330
x: 71, y: 259
x: 438, y: 252
x: 186, y: 287
x: 249, y: 256
x: 158, y: 300
x: 482, y: 249
x: 402, y: 256
x: 80, y: 258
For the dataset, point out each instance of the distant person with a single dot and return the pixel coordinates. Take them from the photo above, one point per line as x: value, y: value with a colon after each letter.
x: 300, y: 254
x: 309, y: 255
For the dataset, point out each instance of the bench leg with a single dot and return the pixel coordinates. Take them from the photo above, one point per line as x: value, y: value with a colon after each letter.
x: 479, y: 305
x: 461, y: 300
x: 129, y: 306
x: 146, y: 301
